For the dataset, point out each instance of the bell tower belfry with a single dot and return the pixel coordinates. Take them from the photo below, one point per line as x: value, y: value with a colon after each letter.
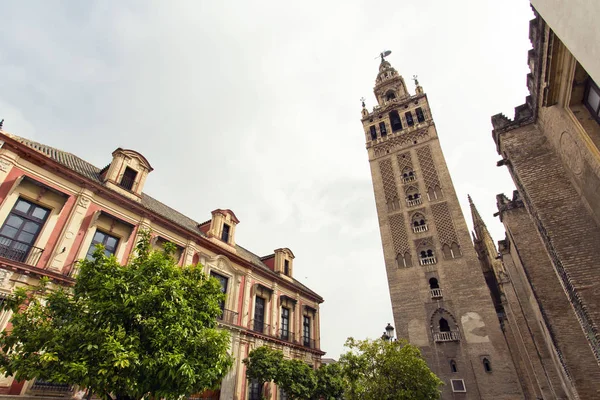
x: 440, y: 300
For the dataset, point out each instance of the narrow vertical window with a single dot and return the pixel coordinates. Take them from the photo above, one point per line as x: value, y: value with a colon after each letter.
x: 306, y: 332
x: 487, y: 366
x: 409, y: 118
x: 453, y: 367
x: 285, y: 323
x: 373, y: 130
x: 286, y: 267
x: 592, y: 99
x: 382, y: 129
x: 259, y: 315
x: 225, y: 233
x: 254, y: 390
x: 420, y: 116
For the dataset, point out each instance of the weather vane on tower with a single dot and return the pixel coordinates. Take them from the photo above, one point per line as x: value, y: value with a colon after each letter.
x: 384, y: 54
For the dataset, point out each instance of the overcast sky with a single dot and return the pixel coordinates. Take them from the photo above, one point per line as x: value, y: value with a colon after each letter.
x: 254, y: 106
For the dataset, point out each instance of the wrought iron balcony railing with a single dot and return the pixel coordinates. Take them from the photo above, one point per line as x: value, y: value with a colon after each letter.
x: 229, y: 317
x: 19, y: 251
x: 451, y: 336
x: 41, y: 385
x: 259, y: 326
x: 285, y: 334
x: 308, y: 342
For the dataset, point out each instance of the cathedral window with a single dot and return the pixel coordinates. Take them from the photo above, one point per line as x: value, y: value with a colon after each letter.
x: 434, y: 288
x: 413, y: 198
x: 395, y: 121
x: 382, y: 129
x: 453, y: 366
x: 444, y: 326
x: 390, y: 95
x: 427, y: 257
x: 419, y: 223
x: 420, y: 115
x: 408, y: 175
x: 409, y: 118
x: 487, y: 366
x: 373, y: 130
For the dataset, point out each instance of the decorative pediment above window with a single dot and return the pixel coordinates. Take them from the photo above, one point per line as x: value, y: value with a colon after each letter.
x: 263, y: 291
x: 287, y: 301
x: 310, y: 309
x: 222, y: 226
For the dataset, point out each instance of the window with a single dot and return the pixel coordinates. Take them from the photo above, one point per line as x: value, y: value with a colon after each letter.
x: 420, y: 116
x: 254, y: 390
x: 487, y: 366
x: 409, y: 118
x: 444, y: 327
x: 223, y: 281
x: 390, y: 95
x: 259, y: 314
x: 395, y: 121
x: 453, y: 367
x: 382, y: 129
x: 21, y: 229
x: 458, y: 385
x: 285, y: 323
x: 128, y: 178
x: 592, y: 99
x: 373, y: 132
x: 306, y: 331
x: 286, y: 267
x: 225, y: 233
x: 433, y: 283
x: 109, y: 242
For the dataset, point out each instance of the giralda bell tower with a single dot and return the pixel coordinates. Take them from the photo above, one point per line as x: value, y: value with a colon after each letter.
x: 440, y: 300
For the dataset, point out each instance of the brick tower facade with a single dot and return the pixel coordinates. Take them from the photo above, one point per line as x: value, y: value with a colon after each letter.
x: 440, y: 299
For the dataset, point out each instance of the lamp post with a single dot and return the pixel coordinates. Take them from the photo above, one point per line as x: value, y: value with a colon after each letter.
x: 388, y: 334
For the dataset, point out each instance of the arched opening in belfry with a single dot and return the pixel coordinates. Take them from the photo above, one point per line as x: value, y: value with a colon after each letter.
x: 395, y: 121
x: 390, y: 95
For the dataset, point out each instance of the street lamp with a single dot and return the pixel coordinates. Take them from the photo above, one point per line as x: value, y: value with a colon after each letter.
x: 389, y: 333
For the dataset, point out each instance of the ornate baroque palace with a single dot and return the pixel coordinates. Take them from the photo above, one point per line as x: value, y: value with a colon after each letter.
x: 545, y: 276
x: 439, y: 296
x: 54, y: 208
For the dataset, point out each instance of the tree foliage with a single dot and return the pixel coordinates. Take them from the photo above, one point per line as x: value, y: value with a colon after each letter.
x: 382, y: 370
x: 144, y: 329
x: 370, y: 370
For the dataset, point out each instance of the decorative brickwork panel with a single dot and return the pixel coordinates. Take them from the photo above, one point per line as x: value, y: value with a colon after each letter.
x: 404, y: 161
x: 444, y: 224
x: 398, y: 230
x: 428, y: 171
x: 394, y: 144
x: 389, y: 182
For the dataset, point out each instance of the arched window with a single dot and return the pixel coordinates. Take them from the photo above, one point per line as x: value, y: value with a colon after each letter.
x: 390, y: 95
x: 453, y: 367
x: 395, y: 121
x: 433, y: 283
x: 423, y: 254
x: 444, y: 327
x: 487, y: 366
x: 429, y: 253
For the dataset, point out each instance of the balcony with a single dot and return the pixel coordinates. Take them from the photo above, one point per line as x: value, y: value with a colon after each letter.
x: 427, y: 260
x: 228, y: 317
x: 420, y: 228
x: 285, y: 334
x: 43, y: 386
x: 19, y: 251
x: 260, y: 327
x: 308, y: 342
x: 409, y: 178
x: 436, y: 293
x: 414, y: 202
x: 452, y: 336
